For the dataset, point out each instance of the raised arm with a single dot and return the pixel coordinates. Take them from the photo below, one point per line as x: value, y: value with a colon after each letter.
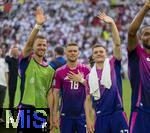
x: 132, y: 33
x: 115, y: 34
x: 40, y: 19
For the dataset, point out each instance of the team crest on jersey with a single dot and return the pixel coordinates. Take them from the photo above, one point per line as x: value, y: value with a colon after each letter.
x: 32, y: 80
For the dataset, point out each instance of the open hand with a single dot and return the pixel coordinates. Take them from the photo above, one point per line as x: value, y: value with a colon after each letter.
x: 105, y: 18
x: 90, y: 126
x: 75, y: 77
x: 40, y: 18
x: 147, y: 3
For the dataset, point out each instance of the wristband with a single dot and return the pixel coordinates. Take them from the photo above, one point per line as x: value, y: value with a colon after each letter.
x: 38, y: 26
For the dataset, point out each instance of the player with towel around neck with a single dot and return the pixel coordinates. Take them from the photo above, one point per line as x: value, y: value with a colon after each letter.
x: 105, y: 87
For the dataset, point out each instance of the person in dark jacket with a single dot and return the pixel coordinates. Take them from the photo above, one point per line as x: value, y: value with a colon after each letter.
x: 59, y: 60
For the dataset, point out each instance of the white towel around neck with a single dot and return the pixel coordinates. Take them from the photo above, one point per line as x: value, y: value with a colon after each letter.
x: 105, y: 79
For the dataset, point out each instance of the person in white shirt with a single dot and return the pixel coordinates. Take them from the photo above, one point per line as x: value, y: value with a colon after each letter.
x: 3, y: 83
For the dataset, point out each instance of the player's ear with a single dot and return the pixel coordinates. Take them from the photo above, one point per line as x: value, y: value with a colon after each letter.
x: 79, y: 53
x: 92, y: 57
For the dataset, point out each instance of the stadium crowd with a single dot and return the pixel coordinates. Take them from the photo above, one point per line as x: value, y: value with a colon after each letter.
x: 68, y: 21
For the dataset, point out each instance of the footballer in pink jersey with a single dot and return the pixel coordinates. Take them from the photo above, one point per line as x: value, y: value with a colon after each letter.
x: 70, y: 80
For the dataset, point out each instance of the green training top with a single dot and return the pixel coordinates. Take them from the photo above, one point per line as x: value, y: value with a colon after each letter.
x: 38, y: 80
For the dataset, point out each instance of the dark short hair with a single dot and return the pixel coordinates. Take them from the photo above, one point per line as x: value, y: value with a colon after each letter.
x: 98, y: 45
x: 59, y: 50
x: 72, y: 44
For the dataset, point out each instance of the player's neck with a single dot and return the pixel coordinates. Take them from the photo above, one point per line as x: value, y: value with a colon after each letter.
x: 38, y: 59
x: 99, y: 65
x: 72, y: 64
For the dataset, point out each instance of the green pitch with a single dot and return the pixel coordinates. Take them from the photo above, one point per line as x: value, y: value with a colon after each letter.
x: 127, y: 96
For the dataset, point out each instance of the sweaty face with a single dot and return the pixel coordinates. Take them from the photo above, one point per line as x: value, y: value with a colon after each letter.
x: 72, y: 53
x: 99, y: 54
x: 40, y: 47
x: 145, y: 37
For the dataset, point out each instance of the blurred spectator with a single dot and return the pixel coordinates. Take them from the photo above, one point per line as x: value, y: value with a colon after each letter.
x: 58, y: 60
x: 12, y: 60
x: 71, y: 21
x: 3, y: 83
